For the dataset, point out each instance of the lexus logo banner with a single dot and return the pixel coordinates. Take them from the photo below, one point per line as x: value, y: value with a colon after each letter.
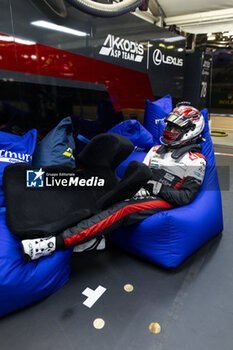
x: 141, y: 53
x: 160, y: 58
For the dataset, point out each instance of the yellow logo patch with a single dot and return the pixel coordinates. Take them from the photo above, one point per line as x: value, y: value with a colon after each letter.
x: 68, y: 152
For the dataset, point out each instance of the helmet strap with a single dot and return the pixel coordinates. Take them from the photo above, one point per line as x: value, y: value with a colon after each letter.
x: 163, y: 149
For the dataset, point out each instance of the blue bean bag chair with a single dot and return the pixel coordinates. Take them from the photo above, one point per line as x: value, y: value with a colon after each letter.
x: 22, y: 283
x: 169, y: 237
x: 57, y: 147
x: 135, y: 131
x: 154, y: 111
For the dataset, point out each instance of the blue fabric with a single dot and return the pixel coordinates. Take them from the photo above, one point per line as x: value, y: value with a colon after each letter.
x: 57, y: 146
x: 83, y: 139
x: 140, y: 137
x: 154, y: 113
x: 13, y: 149
x: 169, y: 237
x: 22, y: 283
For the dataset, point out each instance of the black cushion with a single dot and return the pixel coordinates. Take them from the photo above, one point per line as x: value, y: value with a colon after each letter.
x: 37, y: 212
x: 106, y: 151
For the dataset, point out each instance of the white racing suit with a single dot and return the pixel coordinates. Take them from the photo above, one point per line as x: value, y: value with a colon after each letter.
x: 177, y: 177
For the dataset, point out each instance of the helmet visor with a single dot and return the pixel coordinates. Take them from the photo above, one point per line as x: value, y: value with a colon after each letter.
x: 171, y: 132
x: 178, y: 120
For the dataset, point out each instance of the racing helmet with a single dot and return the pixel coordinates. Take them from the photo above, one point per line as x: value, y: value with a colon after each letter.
x: 188, y: 123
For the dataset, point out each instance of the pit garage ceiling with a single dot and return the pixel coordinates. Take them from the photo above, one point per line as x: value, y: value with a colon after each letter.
x: 197, y: 17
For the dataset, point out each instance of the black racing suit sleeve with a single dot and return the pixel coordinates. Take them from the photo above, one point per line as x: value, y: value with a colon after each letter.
x: 182, y: 196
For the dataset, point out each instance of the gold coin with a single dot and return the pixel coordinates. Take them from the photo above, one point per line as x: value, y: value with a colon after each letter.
x: 155, y: 327
x: 99, y: 323
x: 128, y: 288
